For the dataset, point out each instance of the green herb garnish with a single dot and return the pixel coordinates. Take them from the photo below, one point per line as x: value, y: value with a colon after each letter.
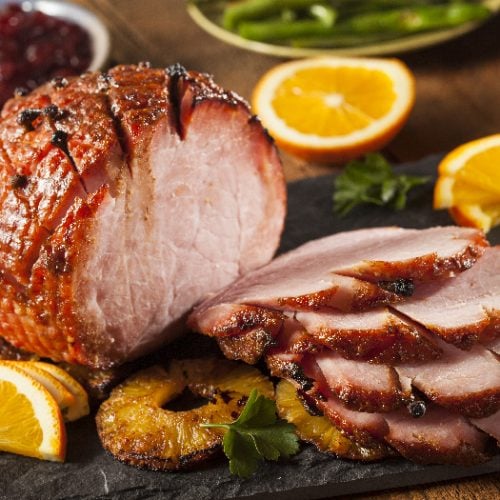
x: 258, y: 434
x: 372, y: 180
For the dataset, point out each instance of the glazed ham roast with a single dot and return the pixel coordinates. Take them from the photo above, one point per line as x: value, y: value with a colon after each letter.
x: 390, y: 333
x: 126, y: 197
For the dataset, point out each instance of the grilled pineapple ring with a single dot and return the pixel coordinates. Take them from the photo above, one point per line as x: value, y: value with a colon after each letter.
x: 319, y: 430
x: 133, y: 426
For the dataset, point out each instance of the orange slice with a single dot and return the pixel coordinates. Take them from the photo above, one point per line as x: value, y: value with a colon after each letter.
x: 469, y: 183
x: 31, y: 423
x: 80, y: 405
x: 57, y: 390
x: 334, y: 109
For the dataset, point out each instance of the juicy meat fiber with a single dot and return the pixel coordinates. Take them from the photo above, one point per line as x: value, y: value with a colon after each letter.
x: 125, y: 198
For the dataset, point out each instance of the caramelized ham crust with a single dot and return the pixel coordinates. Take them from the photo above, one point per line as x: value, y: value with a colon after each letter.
x: 116, y: 190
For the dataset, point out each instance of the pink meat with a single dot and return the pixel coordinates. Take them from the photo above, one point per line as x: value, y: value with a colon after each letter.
x: 347, y: 271
x: 464, y: 309
x: 467, y: 382
x: 490, y: 425
x: 438, y: 437
x: 360, y: 385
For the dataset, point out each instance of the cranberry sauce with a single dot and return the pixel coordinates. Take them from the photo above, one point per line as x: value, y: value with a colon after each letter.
x: 35, y: 47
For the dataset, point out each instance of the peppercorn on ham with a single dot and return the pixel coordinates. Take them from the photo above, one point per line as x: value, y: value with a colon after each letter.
x: 125, y: 198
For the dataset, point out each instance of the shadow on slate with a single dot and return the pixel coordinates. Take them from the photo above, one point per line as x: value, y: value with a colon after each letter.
x: 90, y: 473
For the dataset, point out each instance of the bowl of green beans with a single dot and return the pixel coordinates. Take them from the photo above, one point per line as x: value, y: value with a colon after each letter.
x: 301, y: 28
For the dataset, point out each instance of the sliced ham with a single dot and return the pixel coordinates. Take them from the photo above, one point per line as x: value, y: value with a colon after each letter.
x: 128, y: 198
x: 360, y: 385
x: 439, y: 436
x: 467, y: 382
x: 378, y: 334
x: 348, y: 271
x: 463, y: 309
x: 490, y: 425
x: 356, y: 269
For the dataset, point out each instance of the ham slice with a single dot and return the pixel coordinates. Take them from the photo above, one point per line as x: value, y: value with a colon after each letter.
x: 464, y: 309
x: 356, y: 269
x: 439, y: 436
x: 490, y: 425
x: 360, y: 385
x: 467, y: 382
x: 379, y: 335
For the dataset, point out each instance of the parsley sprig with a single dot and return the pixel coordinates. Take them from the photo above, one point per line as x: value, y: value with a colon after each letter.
x: 372, y: 180
x: 258, y: 434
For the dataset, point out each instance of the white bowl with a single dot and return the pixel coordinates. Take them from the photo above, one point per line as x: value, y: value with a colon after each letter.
x: 99, y: 34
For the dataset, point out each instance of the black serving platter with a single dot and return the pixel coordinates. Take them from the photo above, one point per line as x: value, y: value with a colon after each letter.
x: 90, y: 473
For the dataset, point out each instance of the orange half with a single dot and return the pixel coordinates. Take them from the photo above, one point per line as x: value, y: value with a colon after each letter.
x: 334, y: 109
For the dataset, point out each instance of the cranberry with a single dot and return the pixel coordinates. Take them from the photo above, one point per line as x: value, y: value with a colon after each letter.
x: 35, y: 47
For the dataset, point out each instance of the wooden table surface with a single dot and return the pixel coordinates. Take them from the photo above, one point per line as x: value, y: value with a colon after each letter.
x: 458, y: 99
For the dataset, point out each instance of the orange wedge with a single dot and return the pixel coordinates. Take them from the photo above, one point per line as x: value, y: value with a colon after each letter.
x: 31, y: 423
x: 80, y: 405
x: 469, y: 183
x: 57, y: 390
x: 334, y: 109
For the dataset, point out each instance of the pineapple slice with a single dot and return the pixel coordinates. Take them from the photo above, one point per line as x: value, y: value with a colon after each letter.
x: 319, y: 430
x: 135, y: 428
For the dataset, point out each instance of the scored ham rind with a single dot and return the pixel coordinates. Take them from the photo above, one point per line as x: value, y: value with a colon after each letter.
x: 464, y: 309
x: 154, y: 177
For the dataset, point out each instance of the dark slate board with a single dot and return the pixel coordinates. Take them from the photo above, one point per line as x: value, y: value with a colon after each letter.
x: 90, y: 473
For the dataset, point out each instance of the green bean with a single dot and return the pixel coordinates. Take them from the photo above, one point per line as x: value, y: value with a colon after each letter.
x: 266, y: 31
x: 321, y: 21
x: 342, y: 23
x: 412, y: 20
x: 249, y: 10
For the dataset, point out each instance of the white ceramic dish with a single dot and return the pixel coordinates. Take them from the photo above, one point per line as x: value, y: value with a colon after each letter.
x: 99, y: 34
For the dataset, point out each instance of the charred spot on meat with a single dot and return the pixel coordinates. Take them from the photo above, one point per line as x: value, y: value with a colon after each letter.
x: 402, y: 287
x: 54, y: 113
